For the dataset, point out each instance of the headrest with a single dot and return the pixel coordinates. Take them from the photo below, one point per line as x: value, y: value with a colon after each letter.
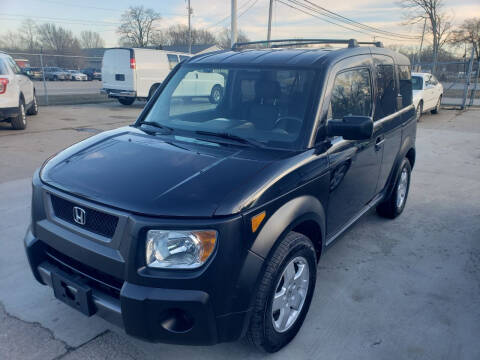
x: 267, y: 90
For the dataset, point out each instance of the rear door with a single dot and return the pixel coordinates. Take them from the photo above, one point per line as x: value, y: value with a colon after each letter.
x: 118, y: 70
x: 355, y: 164
x: 387, y: 123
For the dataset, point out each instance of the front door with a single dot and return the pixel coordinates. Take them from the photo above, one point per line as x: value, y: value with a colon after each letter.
x: 354, y: 164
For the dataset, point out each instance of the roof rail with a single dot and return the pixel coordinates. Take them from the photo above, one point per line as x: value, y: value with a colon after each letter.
x: 376, y: 43
x: 289, y: 42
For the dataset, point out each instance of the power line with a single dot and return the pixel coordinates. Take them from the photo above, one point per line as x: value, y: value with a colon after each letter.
x: 252, y: 4
x: 359, y: 24
x: 320, y: 16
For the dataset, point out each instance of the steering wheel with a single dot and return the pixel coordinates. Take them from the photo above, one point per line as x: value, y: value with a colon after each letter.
x: 289, y: 122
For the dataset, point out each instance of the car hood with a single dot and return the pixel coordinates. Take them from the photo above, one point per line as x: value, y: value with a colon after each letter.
x: 130, y: 170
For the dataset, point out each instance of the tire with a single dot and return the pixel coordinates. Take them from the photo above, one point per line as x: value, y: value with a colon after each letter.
x: 419, y: 110
x: 265, y: 329
x: 394, y: 205
x: 436, y: 110
x: 216, y: 95
x: 55, y: 78
x: 126, y: 100
x: 19, y: 122
x: 34, y: 108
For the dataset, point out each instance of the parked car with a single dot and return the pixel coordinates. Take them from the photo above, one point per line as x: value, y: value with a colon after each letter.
x: 17, y: 94
x: 201, y: 84
x: 130, y: 73
x: 34, y: 73
x: 92, y: 74
x: 76, y: 75
x: 205, y: 221
x: 55, y: 74
x: 427, y: 93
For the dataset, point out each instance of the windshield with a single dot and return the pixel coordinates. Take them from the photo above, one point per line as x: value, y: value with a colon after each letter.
x: 267, y: 106
x: 417, y: 83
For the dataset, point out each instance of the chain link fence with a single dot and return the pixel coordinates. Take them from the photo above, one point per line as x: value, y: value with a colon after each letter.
x: 51, y: 72
x: 460, y: 80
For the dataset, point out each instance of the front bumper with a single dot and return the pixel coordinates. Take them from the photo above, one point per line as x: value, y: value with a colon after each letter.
x: 177, y: 316
x: 114, y: 93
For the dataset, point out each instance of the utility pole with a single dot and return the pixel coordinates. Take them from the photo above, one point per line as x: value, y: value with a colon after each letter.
x: 421, y: 44
x: 189, y: 28
x: 269, y: 31
x: 233, y: 29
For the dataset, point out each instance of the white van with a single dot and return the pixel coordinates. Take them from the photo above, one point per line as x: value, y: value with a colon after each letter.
x: 131, y: 73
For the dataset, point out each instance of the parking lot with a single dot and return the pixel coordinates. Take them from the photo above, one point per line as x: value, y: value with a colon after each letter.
x: 402, y: 289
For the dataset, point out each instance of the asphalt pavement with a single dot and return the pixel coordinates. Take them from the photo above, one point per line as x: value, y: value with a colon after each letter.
x: 402, y: 289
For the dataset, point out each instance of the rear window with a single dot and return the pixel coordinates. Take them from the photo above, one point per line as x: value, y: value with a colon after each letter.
x: 386, y: 97
x: 405, y: 78
x: 3, y: 68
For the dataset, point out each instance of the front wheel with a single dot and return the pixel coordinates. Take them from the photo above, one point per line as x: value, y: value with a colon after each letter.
x: 436, y: 110
x: 216, y: 94
x: 419, y: 110
x: 34, y: 108
x: 394, y: 205
x: 126, y: 100
x: 284, y: 294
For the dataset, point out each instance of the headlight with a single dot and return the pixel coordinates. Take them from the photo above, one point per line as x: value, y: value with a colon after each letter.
x: 179, y: 249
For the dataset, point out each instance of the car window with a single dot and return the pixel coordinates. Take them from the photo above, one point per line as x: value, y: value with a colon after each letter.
x: 351, y: 94
x: 385, y: 100
x: 417, y: 83
x: 13, y: 66
x: 3, y: 68
x: 405, y: 78
x: 172, y: 60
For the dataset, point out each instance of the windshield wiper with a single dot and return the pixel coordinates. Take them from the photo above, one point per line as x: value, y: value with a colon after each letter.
x: 233, y: 137
x: 157, y: 125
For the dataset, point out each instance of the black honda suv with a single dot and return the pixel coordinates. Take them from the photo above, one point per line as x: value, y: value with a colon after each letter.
x: 204, y: 222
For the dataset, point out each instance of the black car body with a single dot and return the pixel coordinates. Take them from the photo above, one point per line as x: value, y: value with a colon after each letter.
x: 141, y: 177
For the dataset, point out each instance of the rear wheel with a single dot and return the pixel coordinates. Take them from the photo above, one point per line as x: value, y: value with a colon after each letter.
x: 34, y: 108
x: 436, y: 110
x: 19, y: 122
x: 419, y: 110
x: 394, y: 205
x: 284, y: 294
x: 126, y: 100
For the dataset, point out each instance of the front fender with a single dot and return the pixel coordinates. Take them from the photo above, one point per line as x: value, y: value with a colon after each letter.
x: 286, y: 218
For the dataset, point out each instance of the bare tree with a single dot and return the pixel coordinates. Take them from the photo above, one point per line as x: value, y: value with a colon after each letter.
x: 178, y: 35
x: 91, y: 40
x: 468, y: 33
x: 438, y: 21
x: 138, y: 26
x: 11, y: 40
x: 28, y: 34
x: 59, y: 41
x: 223, y: 40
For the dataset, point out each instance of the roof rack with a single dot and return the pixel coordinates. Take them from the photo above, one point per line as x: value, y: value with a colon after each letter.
x: 352, y: 43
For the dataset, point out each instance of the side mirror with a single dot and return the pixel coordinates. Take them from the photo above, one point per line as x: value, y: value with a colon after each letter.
x: 351, y: 127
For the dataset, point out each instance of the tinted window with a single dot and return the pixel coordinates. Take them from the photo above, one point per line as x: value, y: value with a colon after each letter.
x: 172, y: 60
x: 417, y: 83
x: 405, y: 78
x: 351, y: 94
x: 3, y: 68
x: 385, y: 101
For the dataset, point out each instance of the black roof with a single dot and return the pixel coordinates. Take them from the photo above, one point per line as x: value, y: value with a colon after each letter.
x: 306, y: 57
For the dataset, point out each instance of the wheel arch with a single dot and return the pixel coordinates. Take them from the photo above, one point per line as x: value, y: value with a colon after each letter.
x: 304, y: 214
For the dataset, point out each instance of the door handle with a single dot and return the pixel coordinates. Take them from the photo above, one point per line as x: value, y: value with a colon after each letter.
x: 379, y: 142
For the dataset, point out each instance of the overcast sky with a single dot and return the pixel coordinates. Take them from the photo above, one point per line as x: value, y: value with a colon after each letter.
x: 104, y: 16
